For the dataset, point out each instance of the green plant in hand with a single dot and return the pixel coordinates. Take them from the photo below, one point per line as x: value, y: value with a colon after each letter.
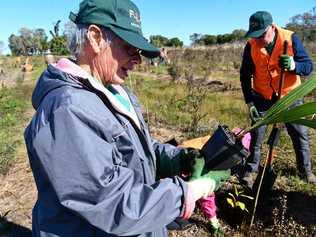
x: 280, y: 111
x: 235, y: 199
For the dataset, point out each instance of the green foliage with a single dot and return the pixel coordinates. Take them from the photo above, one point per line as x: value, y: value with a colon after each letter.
x: 58, y: 45
x: 12, y: 104
x: 158, y: 40
x: 235, y: 199
x: 14, y: 101
x: 161, y: 41
x: 200, y: 39
x: 279, y: 112
x: 28, y: 42
x: 35, y: 42
x: 174, y: 42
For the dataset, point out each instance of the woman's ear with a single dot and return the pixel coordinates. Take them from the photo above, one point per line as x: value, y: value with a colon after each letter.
x: 95, y: 39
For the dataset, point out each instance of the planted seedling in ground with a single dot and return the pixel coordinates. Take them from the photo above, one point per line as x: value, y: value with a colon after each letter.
x: 237, y: 206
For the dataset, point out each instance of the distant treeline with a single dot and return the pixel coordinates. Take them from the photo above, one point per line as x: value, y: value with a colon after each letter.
x: 302, y: 24
x: 34, y: 42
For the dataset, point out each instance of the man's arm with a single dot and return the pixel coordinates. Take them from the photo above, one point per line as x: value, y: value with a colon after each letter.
x: 246, y: 72
x: 303, y: 63
x: 88, y: 179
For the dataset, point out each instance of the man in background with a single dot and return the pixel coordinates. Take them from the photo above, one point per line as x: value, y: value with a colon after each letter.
x: 260, y: 73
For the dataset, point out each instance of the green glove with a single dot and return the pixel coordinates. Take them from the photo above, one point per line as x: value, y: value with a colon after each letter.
x: 188, y: 157
x: 287, y: 62
x: 219, y: 176
x: 200, y: 185
x: 183, y: 163
x: 253, y: 112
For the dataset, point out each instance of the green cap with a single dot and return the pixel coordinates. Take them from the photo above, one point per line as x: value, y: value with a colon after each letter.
x: 258, y: 24
x: 120, y: 16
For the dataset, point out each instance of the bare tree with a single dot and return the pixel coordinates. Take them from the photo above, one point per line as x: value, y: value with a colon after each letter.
x: 69, y: 30
x: 56, y: 30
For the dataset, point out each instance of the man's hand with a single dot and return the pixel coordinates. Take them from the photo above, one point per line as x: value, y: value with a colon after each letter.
x: 287, y: 62
x: 219, y: 176
x: 253, y: 112
x: 188, y: 157
x: 182, y: 164
x: 201, y: 184
x: 198, y: 187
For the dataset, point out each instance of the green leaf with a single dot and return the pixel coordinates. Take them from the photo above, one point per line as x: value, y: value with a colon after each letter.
x: 231, y: 202
x: 306, y: 122
x: 293, y: 114
x: 287, y: 100
x: 290, y: 98
x: 241, y: 205
x: 246, y: 196
x: 236, y: 190
x: 230, y: 194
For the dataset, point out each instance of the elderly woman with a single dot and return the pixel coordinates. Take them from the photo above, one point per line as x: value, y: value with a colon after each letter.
x: 94, y: 163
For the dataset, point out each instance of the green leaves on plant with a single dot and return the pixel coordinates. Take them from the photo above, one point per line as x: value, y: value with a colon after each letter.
x: 279, y: 112
x: 306, y: 122
x: 242, y: 206
x: 294, y: 114
x: 230, y: 202
x: 234, y: 199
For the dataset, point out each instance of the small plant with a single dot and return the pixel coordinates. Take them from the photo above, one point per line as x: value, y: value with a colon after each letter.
x: 235, y: 200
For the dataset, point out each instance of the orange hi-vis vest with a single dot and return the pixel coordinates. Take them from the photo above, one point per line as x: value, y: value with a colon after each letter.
x: 267, y: 72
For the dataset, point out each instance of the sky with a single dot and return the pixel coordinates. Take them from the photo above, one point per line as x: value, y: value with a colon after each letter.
x: 170, y: 18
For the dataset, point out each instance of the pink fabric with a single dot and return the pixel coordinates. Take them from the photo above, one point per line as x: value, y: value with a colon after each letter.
x: 208, y: 206
x: 246, y: 138
x: 69, y: 67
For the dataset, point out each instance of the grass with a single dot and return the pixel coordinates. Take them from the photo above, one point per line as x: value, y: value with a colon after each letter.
x: 14, y: 101
x: 12, y: 105
x: 166, y: 102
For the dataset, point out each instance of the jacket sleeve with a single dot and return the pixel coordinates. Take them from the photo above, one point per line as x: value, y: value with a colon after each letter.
x: 79, y: 163
x: 166, y: 150
x: 303, y: 63
x: 246, y: 73
x: 168, y: 159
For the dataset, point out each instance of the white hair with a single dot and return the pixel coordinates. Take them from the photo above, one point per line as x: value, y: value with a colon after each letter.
x: 79, y: 38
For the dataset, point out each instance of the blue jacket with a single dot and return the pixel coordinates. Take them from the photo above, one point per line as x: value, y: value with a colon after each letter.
x: 94, y: 168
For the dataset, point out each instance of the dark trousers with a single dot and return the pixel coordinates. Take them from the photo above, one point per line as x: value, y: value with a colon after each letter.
x: 298, y: 134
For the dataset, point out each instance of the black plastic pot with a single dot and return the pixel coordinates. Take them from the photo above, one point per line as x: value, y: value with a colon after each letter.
x: 223, y: 150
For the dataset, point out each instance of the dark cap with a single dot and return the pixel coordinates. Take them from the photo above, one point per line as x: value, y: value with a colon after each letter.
x: 258, y: 24
x: 120, y: 16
